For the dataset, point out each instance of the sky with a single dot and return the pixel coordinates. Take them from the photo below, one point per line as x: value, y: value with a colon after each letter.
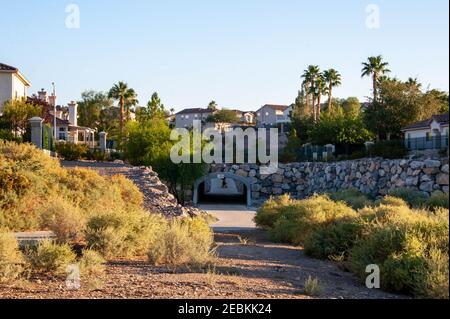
x: 240, y: 53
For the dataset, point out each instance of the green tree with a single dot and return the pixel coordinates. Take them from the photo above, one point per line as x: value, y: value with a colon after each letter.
x: 223, y: 117
x: 148, y: 143
x: 90, y: 107
x: 213, y: 106
x: 16, y: 114
x: 333, y: 79
x: 122, y: 93
x: 351, y: 106
x: 375, y: 67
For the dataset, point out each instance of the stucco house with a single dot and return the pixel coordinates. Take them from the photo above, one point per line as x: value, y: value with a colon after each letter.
x: 271, y: 115
x: 186, y: 117
x: 13, y: 85
x: 432, y: 133
x: 67, y: 128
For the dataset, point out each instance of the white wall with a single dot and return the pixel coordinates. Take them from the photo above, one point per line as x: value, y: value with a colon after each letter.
x: 6, y: 89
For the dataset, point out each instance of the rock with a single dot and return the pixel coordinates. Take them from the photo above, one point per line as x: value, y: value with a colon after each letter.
x: 432, y: 163
x: 411, y: 181
x: 277, y: 191
x: 442, y: 179
x: 242, y: 173
x: 426, y: 186
x: 431, y: 170
x: 277, y: 178
x: 445, y: 189
x: 416, y: 165
x: 444, y: 169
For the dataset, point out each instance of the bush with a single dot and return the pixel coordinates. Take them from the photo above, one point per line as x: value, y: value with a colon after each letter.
x: 11, y: 259
x: 91, y: 264
x: 389, y: 149
x: 297, y: 220
x: 392, y: 201
x: 71, y: 151
x: 51, y: 258
x: 413, y: 197
x: 129, y: 192
x: 268, y: 214
x: 64, y: 219
x: 409, y: 246
x: 185, y: 242
x: 123, y: 234
x: 7, y: 135
x: 352, y: 197
x: 437, y: 200
x: 96, y: 155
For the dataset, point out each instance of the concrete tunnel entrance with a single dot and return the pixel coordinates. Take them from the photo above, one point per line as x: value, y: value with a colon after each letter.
x: 222, y: 188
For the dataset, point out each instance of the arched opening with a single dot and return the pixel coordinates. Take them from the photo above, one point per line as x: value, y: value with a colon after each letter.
x: 222, y: 188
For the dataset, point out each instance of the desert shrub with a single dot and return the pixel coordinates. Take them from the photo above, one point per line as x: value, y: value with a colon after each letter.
x: 302, y: 218
x: 352, y: 197
x: 11, y: 259
x: 96, y: 155
x: 184, y: 242
x: 129, y: 192
x: 312, y: 287
x: 391, y: 201
x: 7, y: 135
x: 123, y: 233
x: 336, y: 240
x: 409, y: 246
x: 389, y: 149
x: 71, y: 151
x: 413, y: 197
x: 91, y: 264
x: 268, y: 214
x: 437, y: 200
x: 51, y: 258
x: 64, y: 219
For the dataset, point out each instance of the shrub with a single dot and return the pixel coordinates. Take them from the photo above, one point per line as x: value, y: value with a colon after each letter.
x: 96, y: 155
x: 64, y: 219
x: 392, y: 201
x: 312, y: 287
x: 335, y: 241
x: 129, y: 192
x: 352, y: 197
x: 409, y: 246
x: 11, y: 259
x: 122, y: 233
x: 413, y: 197
x: 71, y: 151
x: 91, y: 264
x: 437, y: 200
x: 185, y: 242
x: 51, y: 258
x: 300, y: 219
x: 268, y: 214
x: 389, y: 149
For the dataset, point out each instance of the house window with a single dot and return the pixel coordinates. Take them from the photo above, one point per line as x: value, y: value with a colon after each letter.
x: 267, y: 113
x: 429, y: 137
x: 196, y: 115
x: 62, y: 136
x: 187, y: 117
x: 62, y: 129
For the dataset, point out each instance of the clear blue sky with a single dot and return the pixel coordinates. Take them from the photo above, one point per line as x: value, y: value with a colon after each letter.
x: 242, y: 54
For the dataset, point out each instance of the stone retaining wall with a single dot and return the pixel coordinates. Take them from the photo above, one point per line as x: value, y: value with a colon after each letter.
x: 375, y: 177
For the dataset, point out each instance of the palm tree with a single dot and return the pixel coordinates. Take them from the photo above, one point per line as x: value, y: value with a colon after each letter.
x: 320, y: 88
x: 375, y: 67
x: 130, y: 102
x: 413, y: 82
x: 310, y: 75
x: 122, y: 93
x: 333, y: 79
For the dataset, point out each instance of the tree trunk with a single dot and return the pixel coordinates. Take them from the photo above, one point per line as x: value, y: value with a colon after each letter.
x: 122, y: 102
x: 330, y: 95
x: 319, y: 107
x: 375, y: 93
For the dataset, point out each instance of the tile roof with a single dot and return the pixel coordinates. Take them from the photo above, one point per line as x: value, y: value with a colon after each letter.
x: 5, y: 67
x: 277, y: 107
x: 440, y: 118
x: 195, y: 110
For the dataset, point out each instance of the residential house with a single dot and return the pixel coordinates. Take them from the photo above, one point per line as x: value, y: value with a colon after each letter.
x: 246, y: 117
x: 186, y: 117
x: 272, y: 115
x: 13, y: 85
x: 432, y: 133
x: 67, y: 128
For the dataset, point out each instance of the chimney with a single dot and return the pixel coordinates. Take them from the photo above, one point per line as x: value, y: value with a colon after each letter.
x: 42, y: 95
x: 73, y: 113
x: 52, y: 100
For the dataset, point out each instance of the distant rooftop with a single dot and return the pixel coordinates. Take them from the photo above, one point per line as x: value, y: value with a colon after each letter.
x: 442, y: 119
x: 195, y: 110
x: 5, y: 67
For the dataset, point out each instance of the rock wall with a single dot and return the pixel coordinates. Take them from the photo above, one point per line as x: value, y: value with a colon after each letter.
x: 375, y: 177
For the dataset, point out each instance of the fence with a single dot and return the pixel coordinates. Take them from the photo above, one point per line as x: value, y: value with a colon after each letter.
x: 427, y: 143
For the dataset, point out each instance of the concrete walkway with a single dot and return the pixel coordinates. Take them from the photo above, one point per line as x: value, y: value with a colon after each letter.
x: 231, y: 217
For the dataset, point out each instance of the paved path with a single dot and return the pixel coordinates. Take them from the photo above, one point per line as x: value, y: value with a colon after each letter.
x: 231, y: 217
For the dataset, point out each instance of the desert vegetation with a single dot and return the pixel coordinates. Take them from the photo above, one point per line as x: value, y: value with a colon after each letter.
x: 406, y: 236
x: 102, y: 215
